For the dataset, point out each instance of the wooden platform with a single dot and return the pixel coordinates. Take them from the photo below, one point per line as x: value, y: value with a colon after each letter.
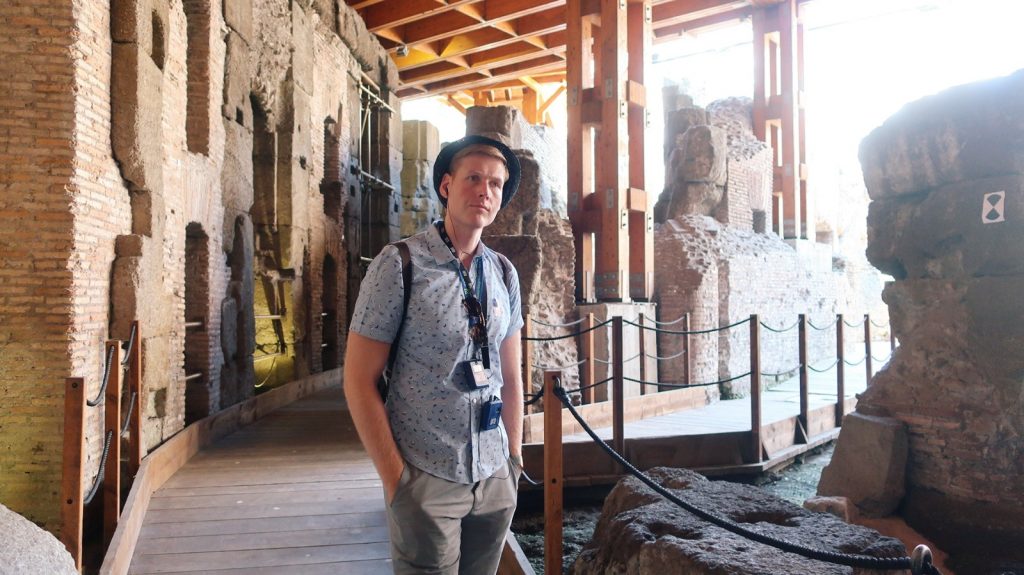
x: 293, y: 493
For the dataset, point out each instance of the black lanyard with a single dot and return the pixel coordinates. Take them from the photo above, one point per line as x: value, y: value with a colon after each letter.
x: 474, y: 307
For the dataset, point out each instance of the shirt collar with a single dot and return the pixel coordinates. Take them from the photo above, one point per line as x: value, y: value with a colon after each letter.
x: 443, y: 255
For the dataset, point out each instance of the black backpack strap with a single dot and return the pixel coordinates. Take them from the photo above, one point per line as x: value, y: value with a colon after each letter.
x: 505, y: 264
x: 403, y: 252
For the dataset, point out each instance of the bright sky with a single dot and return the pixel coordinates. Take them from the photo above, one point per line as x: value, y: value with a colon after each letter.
x: 864, y: 59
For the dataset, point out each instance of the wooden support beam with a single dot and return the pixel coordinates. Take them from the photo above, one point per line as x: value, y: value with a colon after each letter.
x: 456, y: 104
x: 579, y: 154
x: 754, y: 454
x: 71, y: 480
x: 112, y: 429
x: 553, y: 507
x: 551, y: 99
x: 394, y: 14
x: 531, y: 105
x: 612, y: 156
x: 641, y: 218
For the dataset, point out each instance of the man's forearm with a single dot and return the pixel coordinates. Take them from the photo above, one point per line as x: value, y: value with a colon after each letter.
x: 371, y: 422
x: 512, y: 393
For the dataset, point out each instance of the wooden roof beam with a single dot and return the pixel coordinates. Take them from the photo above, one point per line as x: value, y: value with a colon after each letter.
x: 676, y: 11
x: 470, y: 81
x: 670, y: 32
x: 394, y: 14
x: 454, y: 23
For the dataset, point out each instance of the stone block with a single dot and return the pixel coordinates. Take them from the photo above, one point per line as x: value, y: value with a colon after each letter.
x: 29, y: 549
x: 705, y: 154
x: 136, y: 116
x: 641, y: 532
x: 942, y: 233
x: 420, y: 141
x: 869, y: 464
x: 302, y: 49
x: 678, y: 122
x: 238, y: 81
x: 238, y: 17
x: 838, y: 506
x: 964, y: 133
x: 518, y: 217
x: 503, y: 123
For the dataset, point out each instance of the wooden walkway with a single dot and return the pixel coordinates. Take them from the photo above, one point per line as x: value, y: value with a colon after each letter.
x: 293, y: 493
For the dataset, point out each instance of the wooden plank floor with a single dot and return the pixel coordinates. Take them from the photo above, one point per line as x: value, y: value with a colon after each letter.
x: 293, y: 493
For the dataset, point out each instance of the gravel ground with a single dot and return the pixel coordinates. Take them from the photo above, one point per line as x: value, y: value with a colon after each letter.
x: 795, y: 483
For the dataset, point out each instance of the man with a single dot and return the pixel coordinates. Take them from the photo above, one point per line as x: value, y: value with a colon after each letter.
x: 447, y: 441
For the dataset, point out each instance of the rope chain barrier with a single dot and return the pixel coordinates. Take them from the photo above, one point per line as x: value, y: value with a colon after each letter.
x: 532, y: 399
x: 921, y: 564
x: 592, y: 385
x: 858, y: 324
x: 128, y: 415
x: 782, y: 373
x: 683, y: 385
x: 879, y: 325
x: 691, y: 332
x: 780, y: 330
x: 99, y: 474
x: 673, y: 322
x: 881, y: 359
x: 558, y: 325
x: 128, y: 346
x: 824, y: 369
x: 568, y: 335
x: 666, y: 357
x: 559, y: 367
x: 821, y: 328
x: 106, y: 378
x: 854, y: 363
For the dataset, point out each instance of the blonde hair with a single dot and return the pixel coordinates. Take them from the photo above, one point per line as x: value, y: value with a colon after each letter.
x: 478, y: 150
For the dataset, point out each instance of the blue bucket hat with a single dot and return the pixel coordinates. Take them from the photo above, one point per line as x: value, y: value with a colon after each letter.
x: 442, y: 165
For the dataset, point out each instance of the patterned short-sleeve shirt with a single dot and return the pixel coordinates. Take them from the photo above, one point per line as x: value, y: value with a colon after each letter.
x: 434, y: 414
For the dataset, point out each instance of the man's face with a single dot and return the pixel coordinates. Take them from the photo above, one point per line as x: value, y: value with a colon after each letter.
x: 473, y: 190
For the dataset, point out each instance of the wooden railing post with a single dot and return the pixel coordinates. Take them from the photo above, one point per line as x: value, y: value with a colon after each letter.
x: 587, y: 347
x: 135, y: 447
x: 643, y: 354
x: 868, y: 372
x: 840, y: 371
x: 112, y: 428
x: 528, y: 355
x: 618, y: 421
x: 686, y: 350
x: 804, y: 383
x: 755, y: 389
x: 552, y: 475
x: 74, y: 454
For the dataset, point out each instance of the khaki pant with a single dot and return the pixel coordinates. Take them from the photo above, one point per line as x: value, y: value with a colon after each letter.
x: 441, y: 527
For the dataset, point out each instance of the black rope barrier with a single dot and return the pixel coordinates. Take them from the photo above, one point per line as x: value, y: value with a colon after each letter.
x: 103, y: 467
x: 781, y: 330
x: 684, y: 385
x: 782, y: 373
x: 692, y: 332
x: 673, y: 322
x: 568, y: 335
x: 881, y: 359
x: 534, y: 398
x: 106, y: 378
x: 817, y: 328
x: 559, y: 367
x: 558, y: 325
x: 824, y: 369
x: 858, y: 324
x: 879, y: 325
x: 854, y: 363
x: 128, y: 346
x: 666, y: 357
x: 128, y: 416
x: 582, y: 387
x: 921, y: 564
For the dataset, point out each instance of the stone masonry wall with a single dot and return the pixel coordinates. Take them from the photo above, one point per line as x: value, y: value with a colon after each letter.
x: 127, y: 123
x: 946, y: 179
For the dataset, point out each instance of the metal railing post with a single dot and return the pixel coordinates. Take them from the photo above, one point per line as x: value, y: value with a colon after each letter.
x: 643, y: 354
x: 804, y: 381
x: 528, y: 355
x: 686, y: 350
x: 868, y: 371
x: 618, y: 421
x: 755, y: 389
x: 840, y: 371
x: 112, y: 428
x: 74, y: 455
x: 552, y: 475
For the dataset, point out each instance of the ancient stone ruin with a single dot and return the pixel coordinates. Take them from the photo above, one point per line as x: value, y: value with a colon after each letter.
x: 946, y: 176
x: 719, y: 261
x: 642, y: 532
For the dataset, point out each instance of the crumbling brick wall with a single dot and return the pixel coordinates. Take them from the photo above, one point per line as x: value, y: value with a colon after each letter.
x: 102, y: 180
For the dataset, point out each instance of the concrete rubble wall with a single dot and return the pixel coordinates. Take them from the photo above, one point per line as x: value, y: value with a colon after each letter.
x: 719, y: 263
x: 946, y: 179
x: 149, y: 118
